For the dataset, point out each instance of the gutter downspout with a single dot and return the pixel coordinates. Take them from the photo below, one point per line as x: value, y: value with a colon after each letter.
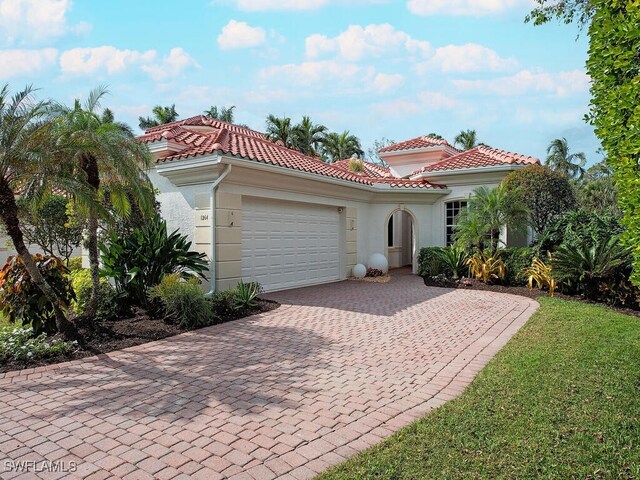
x: 212, y: 207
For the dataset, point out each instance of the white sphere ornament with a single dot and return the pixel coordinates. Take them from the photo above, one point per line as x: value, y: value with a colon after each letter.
x: 359, y: 271
x: 379, y: 262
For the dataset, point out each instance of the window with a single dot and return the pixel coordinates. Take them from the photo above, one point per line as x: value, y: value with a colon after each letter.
x: 390, y: 232
x: 452, y: 210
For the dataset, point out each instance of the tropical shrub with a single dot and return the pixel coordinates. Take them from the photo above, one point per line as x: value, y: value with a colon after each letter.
x: 540, y: 274
x: 22, y: 301
x: 107, y: 306
x: 429, y: 262
x: 182, y: 301
x: 453, y: 260
x: 516, y: 259
x: 246, y: 294
x: 584, y: 268
x: 223, y: 303
x: 486, y: 267
x: 546, y: 193
x: 74, y: 264
x: 20, y: 344
x: 580, y: 228
x: 140, y: 260
x: 50, y: 226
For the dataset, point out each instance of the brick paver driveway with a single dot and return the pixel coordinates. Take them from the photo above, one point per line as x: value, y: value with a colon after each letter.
x: 285, y: 394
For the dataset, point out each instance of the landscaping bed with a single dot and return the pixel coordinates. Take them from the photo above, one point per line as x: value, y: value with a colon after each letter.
x: 560, y: 400
x: 139, y: 328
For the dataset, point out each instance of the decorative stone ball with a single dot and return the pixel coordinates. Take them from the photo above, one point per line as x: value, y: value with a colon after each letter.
x: 359, y: 271
x: 379, y: 262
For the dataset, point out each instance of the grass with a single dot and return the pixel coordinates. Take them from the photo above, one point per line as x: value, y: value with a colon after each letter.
x: 561, y: 400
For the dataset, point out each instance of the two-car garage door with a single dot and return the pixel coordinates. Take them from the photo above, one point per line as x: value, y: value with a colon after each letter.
x: 287, y: 244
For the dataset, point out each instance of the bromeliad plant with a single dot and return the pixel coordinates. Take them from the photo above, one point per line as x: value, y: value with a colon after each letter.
x: 454, y: 260
x: 540, y: 274
x: 246, y: 294
x: 486, y: 267
x: 140, y: 260
x: 21, y: 300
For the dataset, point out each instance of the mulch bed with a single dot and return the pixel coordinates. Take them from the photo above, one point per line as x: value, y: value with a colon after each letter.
x: 136, y: 329
x: 535, y: 294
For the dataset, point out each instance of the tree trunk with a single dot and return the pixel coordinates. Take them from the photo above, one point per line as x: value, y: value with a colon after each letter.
x: 90, y: 166
x: 9, y: 214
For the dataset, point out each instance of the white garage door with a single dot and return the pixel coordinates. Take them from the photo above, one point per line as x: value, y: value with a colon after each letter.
x: 286, y: 244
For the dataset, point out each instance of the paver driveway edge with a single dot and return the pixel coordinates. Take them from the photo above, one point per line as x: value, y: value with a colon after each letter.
x: 283, y: 394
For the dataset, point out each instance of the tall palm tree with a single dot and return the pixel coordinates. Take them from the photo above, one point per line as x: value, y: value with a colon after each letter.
x: 161, y: 115
x: 224, y: 114
x: 280, y: 130
x: 466, y: 139
x: 339, y: 146
x: 105, y: 155
x: 25, y: 163
x: 559, y: 158
x: 308, y: 136
x: 489, y: 210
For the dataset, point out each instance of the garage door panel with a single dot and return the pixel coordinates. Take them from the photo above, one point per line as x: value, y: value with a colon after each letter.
x: 287, y: 244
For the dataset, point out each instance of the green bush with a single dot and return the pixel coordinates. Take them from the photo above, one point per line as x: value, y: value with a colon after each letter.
x: 223, y: 303
x: 20, y: 344
x: 246, y: 294
x: 22, y: 301
x: 107, y: 296
x: 580, y: 228
x: 74, y: 264
x: 430, y: 263
x: 516, y: 260
x: 453, y: 261
x: 183, y: 301
x: 140, y: 260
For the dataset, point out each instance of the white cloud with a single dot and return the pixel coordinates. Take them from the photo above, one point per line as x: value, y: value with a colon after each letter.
x: 14, y: 63
x: 295, y: 5
x: 525, y: 81
x: 86, y: 61
x: 462, y: 7
x: 386, y: 82
x: 469, y: 57
x: 314, y: 74
x: 358, y: 42
x: 32, y: 21
x: 423, y: 102
x: 240, y: 35
x: 171, y: 65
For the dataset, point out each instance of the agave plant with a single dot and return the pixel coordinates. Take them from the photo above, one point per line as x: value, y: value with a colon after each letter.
x: 486, y: 268
x: 541, y: 274
x: 584, y: 267
x: 246, y: 294
x: 140, y: 260
x: 454, y: 259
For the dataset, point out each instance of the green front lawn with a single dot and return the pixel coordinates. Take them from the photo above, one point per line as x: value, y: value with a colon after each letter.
x: 561, y: 400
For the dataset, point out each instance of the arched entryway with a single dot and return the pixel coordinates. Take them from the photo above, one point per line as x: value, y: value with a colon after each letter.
x: 400, y: 239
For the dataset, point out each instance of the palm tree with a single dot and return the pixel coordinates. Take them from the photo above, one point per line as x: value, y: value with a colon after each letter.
x: 224, y: 114
x: 435, y: 135
x: 161, y: 115
x: 466, y: 139
x: 307, y: 136
x: 489, y: 210
x: 559, y: 158
x: 339, y: 146
x: 105, y: 155
x: 24, y: 163
x: 280, y: 130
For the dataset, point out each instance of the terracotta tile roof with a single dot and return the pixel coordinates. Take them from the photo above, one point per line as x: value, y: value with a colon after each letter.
x: 371, y: 170
x: 481, y: 156
x: 246, y: 143
x: 418, y: 142
x: 408, y: 183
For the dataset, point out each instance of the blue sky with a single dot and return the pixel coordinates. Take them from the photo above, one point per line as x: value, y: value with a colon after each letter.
x: 394, y: 69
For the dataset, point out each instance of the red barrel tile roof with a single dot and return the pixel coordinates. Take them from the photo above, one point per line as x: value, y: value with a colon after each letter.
x: 424, y: 141
x: 481, y: 156
x: 246, y: 143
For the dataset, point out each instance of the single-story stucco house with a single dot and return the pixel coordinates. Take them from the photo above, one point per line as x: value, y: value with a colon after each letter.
x: 287, y: 220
